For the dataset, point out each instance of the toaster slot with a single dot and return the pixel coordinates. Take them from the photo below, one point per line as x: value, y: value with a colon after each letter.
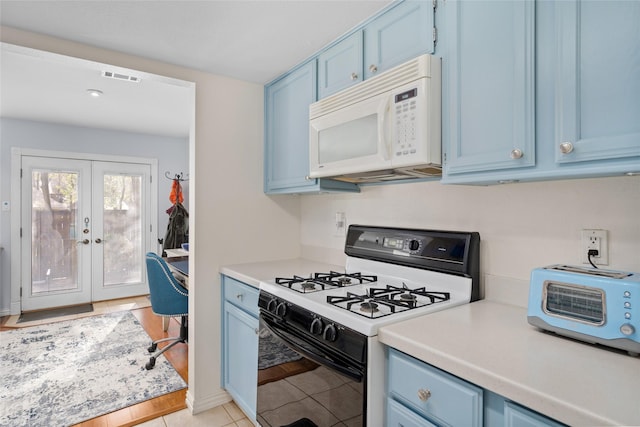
x: 574, y: 302
x: 590, y: 271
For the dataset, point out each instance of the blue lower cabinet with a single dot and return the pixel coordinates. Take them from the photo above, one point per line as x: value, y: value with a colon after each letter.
x: 240, y: 343
x: 401, y: 416
x: 518, y: 416
x: 433, y: 394
x: 419, y: 394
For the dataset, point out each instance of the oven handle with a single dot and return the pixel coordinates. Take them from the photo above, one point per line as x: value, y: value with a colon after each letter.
x: 318, y: 358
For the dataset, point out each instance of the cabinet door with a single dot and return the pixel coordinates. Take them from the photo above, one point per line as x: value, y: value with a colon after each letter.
x: 398, y: 35
x: 488, y: 86
x: 517, y: 416
x: 598, y: 92
x: 240, y: 347
x: 287, y: 129
x: 340, y: 66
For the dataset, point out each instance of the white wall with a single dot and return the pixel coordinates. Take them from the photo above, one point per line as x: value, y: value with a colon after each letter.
x: 231, y: 220
x: 522, y: 226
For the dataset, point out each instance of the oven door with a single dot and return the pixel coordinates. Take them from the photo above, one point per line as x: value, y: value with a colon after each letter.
x: 300, y: 383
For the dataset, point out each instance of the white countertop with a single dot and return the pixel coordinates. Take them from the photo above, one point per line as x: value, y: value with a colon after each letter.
x: 253, y: 273
x: 491, y: 345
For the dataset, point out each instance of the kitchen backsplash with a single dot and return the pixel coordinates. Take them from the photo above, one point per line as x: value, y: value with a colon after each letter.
x: 522, y: 226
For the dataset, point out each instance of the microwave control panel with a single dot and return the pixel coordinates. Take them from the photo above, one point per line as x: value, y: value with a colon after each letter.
x: 405, y: 113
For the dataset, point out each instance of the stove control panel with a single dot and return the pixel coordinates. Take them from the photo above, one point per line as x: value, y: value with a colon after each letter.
x: 452, y: 252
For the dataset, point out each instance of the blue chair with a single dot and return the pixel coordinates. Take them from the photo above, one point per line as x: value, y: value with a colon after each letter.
x: 168, y: 299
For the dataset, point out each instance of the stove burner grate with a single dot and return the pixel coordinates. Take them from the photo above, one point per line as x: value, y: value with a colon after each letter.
x: 392, y: 298
x: 322, y: 281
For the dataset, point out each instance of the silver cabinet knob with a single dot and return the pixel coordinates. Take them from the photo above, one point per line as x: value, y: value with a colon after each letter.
x: 566, y: 147
x: 240, y: 296
x: 256, y: 331
x: 354, y: 76
x: 84, y: 242
x: 98, y: 240
x: 373, y: 68
x: 424, y: 394
x: 516, y: 153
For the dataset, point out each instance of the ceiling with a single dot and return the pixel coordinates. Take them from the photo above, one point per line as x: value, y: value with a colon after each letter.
x: 253, y: 41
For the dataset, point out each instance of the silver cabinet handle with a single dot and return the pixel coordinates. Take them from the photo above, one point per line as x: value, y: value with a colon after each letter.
x: 516, y: 153
x: 373, y: 68
x: 566, y: 147
x: 424, y: 394
x: 256, y: 331
x: 354, y: 76
x: 84, y: 242
x: 240, y: 296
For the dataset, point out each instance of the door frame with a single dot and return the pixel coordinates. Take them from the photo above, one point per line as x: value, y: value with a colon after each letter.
x: 16, y: 200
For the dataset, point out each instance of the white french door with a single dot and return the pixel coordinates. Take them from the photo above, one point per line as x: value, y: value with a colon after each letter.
x: 85, y: 230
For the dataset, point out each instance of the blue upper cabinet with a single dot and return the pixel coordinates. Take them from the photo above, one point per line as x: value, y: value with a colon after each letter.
x: 488, y: 85
x: 570, y: 111
x: 400, y: 34
x: 396, y: 36
x: 340, y: 66
x: 287, y: 103
x: 598, y: 92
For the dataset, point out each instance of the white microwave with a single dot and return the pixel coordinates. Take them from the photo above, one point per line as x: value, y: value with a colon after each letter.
x: 385, y: 128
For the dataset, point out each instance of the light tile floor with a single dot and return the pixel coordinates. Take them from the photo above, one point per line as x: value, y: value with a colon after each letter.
x: 227, y: 415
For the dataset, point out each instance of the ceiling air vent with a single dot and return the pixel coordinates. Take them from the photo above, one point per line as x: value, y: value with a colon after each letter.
x: 120, y: 76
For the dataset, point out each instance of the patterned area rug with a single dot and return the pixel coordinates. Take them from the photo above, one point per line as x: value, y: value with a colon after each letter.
x: 63, y: 373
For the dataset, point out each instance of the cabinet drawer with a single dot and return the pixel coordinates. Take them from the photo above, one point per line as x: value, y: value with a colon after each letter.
x: 400, y: 416
x: 241, y: 295
x: 439, y: 396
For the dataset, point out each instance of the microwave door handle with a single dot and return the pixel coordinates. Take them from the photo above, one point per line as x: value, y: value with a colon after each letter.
x: 384, y: 140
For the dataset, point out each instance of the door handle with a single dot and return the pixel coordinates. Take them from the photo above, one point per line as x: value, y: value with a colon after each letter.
x: 98, y: 240
x: 84, y: 242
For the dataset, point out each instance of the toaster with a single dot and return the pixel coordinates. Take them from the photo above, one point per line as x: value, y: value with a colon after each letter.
x: 588, y: 304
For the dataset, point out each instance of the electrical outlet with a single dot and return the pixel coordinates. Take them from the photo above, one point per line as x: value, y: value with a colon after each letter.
x: 341, y: 224
x: 595, y: 239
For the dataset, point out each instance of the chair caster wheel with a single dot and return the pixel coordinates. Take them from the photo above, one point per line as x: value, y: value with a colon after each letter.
x: 152, y: 348
x: 151, y: 363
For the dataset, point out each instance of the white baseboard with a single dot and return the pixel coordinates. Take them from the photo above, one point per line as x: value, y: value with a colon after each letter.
x: 6, y: 312
x: 206, y: 403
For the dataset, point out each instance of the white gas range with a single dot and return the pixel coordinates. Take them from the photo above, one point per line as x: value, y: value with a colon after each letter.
x: 331, y: 319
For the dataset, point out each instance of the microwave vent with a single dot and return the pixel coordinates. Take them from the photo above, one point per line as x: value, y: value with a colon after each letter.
x: 419, y: 67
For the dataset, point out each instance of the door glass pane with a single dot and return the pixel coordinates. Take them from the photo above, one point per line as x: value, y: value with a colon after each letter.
x: 54, y: 255
x: 122, y: 229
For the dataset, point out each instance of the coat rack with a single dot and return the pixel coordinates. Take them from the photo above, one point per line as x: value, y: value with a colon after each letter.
x: 178, y: 176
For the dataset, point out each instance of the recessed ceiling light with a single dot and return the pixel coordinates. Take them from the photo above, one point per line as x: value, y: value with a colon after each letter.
x: 95, y: 93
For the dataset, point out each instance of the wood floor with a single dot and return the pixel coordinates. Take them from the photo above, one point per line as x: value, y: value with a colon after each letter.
x: 153, y: 408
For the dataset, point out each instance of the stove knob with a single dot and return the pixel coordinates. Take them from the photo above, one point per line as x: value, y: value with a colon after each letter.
x: 271, y: 305
x: 330, y: 333
x: 414, y: 245
x: 281, y: 309
x: 316, y: 326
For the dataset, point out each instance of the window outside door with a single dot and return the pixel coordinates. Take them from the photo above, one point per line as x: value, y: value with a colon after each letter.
x: 86, y: 228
